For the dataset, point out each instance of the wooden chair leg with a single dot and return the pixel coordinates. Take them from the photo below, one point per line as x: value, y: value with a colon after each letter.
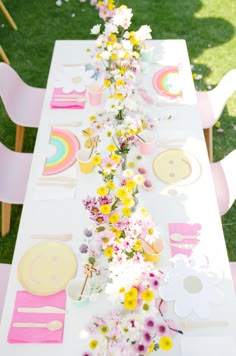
x: 8, y: 16
x: 208, y: 134
x: 4, y: 56
x: 20, y: 131
x: 6, y: 218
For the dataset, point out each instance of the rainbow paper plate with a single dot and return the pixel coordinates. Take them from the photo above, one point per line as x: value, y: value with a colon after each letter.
x: 67, y: 146
x: 166, y: 82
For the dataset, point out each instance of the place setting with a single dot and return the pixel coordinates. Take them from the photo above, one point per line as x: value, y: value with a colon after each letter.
x: 40, y: 309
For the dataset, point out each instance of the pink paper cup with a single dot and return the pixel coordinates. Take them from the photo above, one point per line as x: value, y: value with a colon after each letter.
x: 147, y: 142
x: 95, y: 94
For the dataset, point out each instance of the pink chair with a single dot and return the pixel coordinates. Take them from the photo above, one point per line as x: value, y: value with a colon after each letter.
x: 224, y: 177
x: 22, y: 102
x: 211, y: 104
x: 233, y: 273
x: 15, y: 167
x: 4, y: 276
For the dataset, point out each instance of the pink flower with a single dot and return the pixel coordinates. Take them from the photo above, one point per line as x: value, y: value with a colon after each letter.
x: 161, y: 329
x: 147, y: 338
x: 106, y: 238
x: 149, y: 323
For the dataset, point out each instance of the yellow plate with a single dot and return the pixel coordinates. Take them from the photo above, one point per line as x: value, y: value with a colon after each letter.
x: 175, y: 166
x: 46, y: 268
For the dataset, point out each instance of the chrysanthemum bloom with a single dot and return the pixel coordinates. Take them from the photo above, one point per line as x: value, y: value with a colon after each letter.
x: 147, y: 295
x: 165, y: 343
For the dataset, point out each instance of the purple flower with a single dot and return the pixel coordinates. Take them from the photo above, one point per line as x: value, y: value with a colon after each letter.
x: 86, y: 353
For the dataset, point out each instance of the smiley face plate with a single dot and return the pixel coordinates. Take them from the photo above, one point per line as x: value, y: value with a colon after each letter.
x: 176, y: 166
x: 46, y: 268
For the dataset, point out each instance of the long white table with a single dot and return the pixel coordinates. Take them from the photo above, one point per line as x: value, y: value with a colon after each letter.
x: 192, y: 203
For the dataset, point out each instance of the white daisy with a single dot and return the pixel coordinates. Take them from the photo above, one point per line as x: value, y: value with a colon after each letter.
x: 192, y: 287
x: 73, y: 78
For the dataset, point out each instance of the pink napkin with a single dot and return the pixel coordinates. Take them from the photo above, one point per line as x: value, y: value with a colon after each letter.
x: 36, y: 335
x: 186, y: 245
x: 67, y: 100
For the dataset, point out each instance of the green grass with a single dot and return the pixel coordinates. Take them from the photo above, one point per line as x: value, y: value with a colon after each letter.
x: 207, y: 26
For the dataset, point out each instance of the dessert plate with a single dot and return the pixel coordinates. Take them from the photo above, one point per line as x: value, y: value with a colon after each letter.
x: 66, y: 147
x: 176, y: 166
x: 46, y: 268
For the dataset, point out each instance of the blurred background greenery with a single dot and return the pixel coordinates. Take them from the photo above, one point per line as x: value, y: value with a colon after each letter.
x: 207, y: 26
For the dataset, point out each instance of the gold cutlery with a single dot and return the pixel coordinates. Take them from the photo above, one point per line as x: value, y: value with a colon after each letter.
x: 46, y: 309
x: 63, y: 237
x: 52, y: 325
x: 190, y: 325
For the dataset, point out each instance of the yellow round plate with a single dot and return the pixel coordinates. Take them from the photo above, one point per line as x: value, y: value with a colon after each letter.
x: 176, y: 166
x: 46, y: 268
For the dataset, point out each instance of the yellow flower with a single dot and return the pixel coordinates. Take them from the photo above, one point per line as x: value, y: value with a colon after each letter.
x: 109, y: 133
x: 93, y: 344
x: 111, y: 148
x: 105, y: 209
x: 114, y: 218
x: 122, y: 70
x: 92, y: 118
x: 108, y: 252
x: 165, y: 343
x: 102, y: 191
x: 132, y: 293
x: 147, y: 295
x: 116, y: 158
x: 130, y: 303
x: 131, y: 164
x: 131, y: 184
x: 151, y: 347
x: 103, y: 329
x: 114, y: 56
x: 119, y: 96
x: 128, y: 202
x: 126, y: 212
x: 110, y: 185
x: 99, y: 55
x: 122, y: 289
x: 117, y: 232
x: 138, y: 245
x: 107, y: 83
x: 97, y: 160
x: 121, y: 193
x: 119, y: 82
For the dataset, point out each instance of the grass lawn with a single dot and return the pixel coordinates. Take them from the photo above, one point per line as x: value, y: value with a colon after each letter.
x: 207, y: 26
